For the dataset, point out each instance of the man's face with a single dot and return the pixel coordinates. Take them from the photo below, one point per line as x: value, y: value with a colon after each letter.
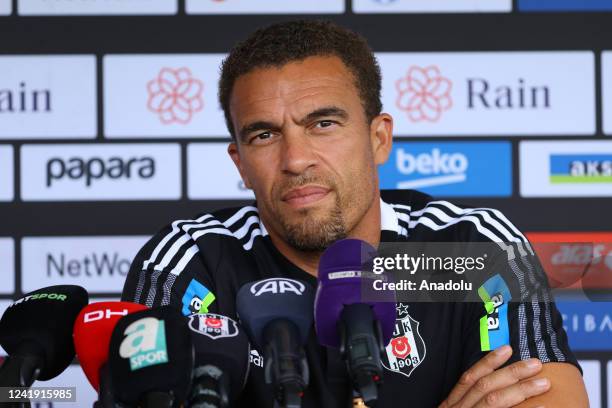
x: 305, y: 148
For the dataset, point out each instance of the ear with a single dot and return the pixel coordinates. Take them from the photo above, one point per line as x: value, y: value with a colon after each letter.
x: 232, y: 150
x: 381, y: 137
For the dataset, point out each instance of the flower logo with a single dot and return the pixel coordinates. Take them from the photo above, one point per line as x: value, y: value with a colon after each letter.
x: 175, y: 95
x: 424, y: 94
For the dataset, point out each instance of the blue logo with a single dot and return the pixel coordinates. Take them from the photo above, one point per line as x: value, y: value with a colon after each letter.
x: 197, y: 298
x: 450, y: 169
x: 494, y: 330
x: 588, y: 324
x: 564, y: 5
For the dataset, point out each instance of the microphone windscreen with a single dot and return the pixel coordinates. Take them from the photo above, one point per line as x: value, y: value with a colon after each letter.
x: 345, y: 270
x: 151, y: 350
x: 220, y: 341
x: 92, y: 333
x: 45, y: 317
x: 261, y: 302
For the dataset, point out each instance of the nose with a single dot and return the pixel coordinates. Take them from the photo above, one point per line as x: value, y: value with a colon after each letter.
x: 297, y: 155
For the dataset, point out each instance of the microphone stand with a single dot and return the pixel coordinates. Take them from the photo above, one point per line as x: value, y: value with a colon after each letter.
x: 361, y: 347
x: 286, y: 367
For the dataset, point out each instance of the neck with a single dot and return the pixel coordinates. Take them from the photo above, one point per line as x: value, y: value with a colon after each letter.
x: 368, y: 230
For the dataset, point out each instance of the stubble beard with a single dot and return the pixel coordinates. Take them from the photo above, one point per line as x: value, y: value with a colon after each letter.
x: 315, y: 233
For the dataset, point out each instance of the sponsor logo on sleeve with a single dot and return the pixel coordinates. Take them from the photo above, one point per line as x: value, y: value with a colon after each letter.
x: 264, y: 7
x: 519, y: 93
x: 100, y: 172
x: 494, y: 328
x: 162, y: 95
x: 100, y: 264
x: 7, y: 265
x: 197, y: 298
x: 95, y: 7
x: 144, y: 343
x: 48, y: 97
x: 427, y: 6
x: 566, y: 168
x: 406, y: 350
x: 450, y: 168
x: 256, y: 359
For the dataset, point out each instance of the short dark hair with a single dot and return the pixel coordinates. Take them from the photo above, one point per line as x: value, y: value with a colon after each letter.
x: 279, y: 44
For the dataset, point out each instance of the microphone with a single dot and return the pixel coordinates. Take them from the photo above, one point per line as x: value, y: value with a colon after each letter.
x: 151, y: 358
x: 92, y: 334
x: 343, y: 319
x: 222, y: 353
x: 277, y: 315
x: 36, y: 332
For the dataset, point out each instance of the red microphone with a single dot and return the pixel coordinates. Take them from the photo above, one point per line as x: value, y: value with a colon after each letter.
x: 92, y: 333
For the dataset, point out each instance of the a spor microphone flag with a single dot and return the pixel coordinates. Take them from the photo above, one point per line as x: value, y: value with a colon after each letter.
x: 344, y: 268
x: 151, y: 357
x: 92, y: 333
x: 39, y: 325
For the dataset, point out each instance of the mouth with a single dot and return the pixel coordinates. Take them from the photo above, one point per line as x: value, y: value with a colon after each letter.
x: 306, y: 195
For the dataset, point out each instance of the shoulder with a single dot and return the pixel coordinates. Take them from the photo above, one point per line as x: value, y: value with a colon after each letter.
x: 176, y: 243
x: 425, y: 218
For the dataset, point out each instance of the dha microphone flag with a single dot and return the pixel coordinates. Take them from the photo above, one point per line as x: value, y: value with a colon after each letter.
x: 92, y: 334
x: 36, y: 332
x: 151, y: 358
x: 277, y: 315
x: 343, y: 267
x: 222, y: 353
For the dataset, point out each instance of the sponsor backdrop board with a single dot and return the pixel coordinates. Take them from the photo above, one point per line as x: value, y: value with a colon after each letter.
x: 463, y: 169
x: 264, y: 7
x: 100, y: 172
x: 95, y: 7
x: 6, y: 7
x: 591, y: 373
x: 490, y: 94
x: 564, y: 5
x: 99, y: 264
x: 428, y: 6
x: 48, y: 97
x: 211, y: 175
x: 86, y: 395
x: 565, y: 169
x: 162, y: 96
x: 4, y: 304
x: 106, y: 134
x: 6, y: 173
x: 7, y: 266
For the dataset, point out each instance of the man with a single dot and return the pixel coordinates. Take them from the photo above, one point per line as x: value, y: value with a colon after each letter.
x: 302, y: 103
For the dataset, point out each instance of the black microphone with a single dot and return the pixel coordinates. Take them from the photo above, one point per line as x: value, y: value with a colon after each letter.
x: 344, y: 319
x: 222, y: 353
x: 151, y: 358
x: 277, y: 315
x: 36, y: 332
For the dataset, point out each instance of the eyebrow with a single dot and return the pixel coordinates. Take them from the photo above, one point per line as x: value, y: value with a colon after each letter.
x: 326, y: 111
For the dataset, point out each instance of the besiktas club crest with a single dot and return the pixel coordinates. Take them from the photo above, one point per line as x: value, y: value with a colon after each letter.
x: 406, y: 350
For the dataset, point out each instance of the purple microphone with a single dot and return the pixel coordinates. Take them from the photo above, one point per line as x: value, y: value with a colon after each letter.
x: 360, y: 326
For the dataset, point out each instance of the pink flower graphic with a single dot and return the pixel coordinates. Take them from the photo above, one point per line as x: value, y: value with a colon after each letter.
x: 175, y: 95
x: 424, y: 94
